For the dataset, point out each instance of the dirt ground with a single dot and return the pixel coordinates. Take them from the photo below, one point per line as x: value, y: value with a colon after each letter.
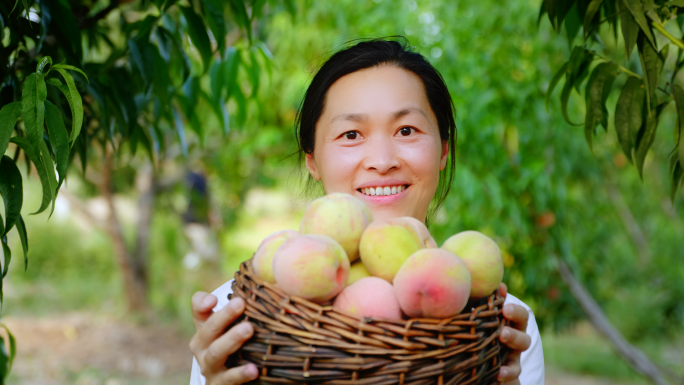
x: 87, y: 349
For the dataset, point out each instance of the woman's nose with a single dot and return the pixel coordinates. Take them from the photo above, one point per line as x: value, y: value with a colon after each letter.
x: 381, y: 155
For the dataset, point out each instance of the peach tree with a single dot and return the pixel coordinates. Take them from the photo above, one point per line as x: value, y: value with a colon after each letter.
x: 88, y: 80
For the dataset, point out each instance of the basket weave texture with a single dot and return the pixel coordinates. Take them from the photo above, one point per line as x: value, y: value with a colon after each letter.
x: 296, y: 341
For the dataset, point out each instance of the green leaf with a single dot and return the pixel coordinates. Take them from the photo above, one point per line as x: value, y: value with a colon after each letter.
x: 75, y: 103
x: 677, y: 178
x: 180, y: 130
x: 578, y: 64
x: 198, y: 35
x: 629, y: 26
x: 8, y: 118
x: 34, y: 156
x: 543, y: 9
x: 675, y: 3
x: 66, y: 28
x: 23, y: 236
x: 231, y: 64
x: 141, y: 57
x: 637, y: 10
x: 11, y: 191
x: 562, y: 9
x: 217, y: 24
x: 645, y: 139
x: 678, y: 95
x: 13, y: 347
x: 598, y: 88
x: 72, y: 68
x: 554, y: 81
x: 216, y: 75
x: 15, y: 6
x: 253, y: 71
x: 32, y: 101
x: 240, y: 12
x: 565, y: 97
x: 626, y: 117
x: 41, y: 67
x: 59, y: 139
x: 572, y: 24
x: 593, y: 7
x: 636, y: 118
x: 652, y: 65
x: 7, y: 253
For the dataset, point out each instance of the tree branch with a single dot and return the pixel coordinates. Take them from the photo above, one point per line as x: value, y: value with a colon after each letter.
x: 634, y: 357
x: 146, y: 186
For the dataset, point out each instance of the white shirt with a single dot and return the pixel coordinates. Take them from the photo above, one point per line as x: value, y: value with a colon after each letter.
x: 531, y: 360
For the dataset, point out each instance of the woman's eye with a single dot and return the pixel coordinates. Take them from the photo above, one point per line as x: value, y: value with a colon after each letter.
x: 406, y: 131
x: 351, y: 135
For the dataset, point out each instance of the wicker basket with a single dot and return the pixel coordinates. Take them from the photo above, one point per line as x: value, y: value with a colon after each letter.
x: 297, y: 341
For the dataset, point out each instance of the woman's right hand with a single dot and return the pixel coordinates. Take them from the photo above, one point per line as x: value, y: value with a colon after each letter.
x: 211, y: 346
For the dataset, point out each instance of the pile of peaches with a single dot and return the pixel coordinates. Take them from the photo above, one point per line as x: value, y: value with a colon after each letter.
x: 384, y: 269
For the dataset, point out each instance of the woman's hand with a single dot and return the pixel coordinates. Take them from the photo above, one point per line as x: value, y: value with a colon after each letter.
x: 212, y: 347
x: 514, y: 337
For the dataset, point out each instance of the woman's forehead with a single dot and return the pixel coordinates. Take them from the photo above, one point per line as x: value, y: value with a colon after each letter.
x: 385, y: 91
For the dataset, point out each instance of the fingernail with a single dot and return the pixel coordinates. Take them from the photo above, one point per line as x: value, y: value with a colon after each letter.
x: 505, y: 334
x: 245, y: 329
x: 208, y: 301
x: 251, y: 371
x: 503, y: 372
x: 237, y: 304
x: 508, y: 309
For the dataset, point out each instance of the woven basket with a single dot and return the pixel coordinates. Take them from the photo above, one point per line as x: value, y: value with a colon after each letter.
x: 296, y: 341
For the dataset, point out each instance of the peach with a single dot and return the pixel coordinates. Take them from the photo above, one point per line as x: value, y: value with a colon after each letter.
x: 419, y: 228
x: 341, y: 217
x: 433, y: 283
x: 262, y: 260
x: 484, y: 260
x: 356, y: 272
x: 369, y: 297
x: 313, y: 267
x: 385, y: 247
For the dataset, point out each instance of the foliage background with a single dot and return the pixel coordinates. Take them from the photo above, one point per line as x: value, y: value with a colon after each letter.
x: 523, y: 176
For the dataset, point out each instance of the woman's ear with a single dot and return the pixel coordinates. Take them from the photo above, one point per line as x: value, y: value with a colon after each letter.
x: 311, y: 166
x: 445, y: 155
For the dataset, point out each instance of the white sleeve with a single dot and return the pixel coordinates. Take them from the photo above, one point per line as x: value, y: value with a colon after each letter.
x: 196, y: 377
x: 532, y: 359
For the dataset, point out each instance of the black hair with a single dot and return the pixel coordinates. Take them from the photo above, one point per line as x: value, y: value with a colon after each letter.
x: 393, y: 51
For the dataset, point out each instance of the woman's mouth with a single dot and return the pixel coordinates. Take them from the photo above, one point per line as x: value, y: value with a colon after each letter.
x: 383, y: 190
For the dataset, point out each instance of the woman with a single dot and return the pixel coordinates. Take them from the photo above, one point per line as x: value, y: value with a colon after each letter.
x: 375, y: 115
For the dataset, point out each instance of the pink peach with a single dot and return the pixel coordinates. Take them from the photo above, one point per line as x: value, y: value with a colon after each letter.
x: 433, y: 283
x: 313, y: 267
x: 369, y: 297
x: 262, y: 260
x: 341, y: 217
x: 483, y: 258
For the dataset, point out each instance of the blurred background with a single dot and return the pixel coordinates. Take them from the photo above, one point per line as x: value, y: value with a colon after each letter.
x: 524, y: 176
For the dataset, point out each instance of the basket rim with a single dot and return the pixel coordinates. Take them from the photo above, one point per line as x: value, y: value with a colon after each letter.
x: 462, y: 319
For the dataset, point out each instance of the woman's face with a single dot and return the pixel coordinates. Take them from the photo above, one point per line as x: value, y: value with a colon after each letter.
x: 378, y: 140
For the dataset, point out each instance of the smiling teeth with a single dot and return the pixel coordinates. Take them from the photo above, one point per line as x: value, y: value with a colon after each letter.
x: 373, y: 191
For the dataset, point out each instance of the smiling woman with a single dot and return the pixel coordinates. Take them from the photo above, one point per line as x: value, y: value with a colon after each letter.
x: 377, y: 122
x: 380, y: 141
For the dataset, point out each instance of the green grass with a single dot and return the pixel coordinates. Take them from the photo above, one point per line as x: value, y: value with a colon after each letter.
x: 587, y: 353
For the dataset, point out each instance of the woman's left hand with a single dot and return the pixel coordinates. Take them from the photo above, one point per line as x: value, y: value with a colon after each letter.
x: 514, y: 337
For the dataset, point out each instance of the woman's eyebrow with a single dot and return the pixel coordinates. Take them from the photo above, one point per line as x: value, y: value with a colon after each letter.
x: 406, y: 111
x: 360, y: 117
